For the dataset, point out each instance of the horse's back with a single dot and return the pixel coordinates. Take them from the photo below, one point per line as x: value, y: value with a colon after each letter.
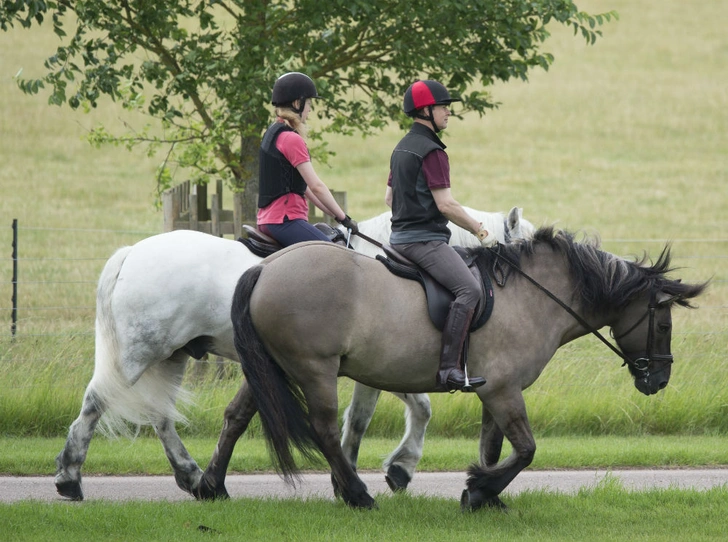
x: 175, y: 287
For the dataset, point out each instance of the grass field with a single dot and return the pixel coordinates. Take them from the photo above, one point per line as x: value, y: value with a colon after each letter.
x: 626, y: 139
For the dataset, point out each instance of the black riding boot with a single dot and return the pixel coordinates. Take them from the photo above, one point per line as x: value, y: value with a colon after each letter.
x: 450, y: 376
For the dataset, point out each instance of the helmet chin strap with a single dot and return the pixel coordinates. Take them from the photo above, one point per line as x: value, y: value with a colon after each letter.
x: 299, y: 110
x: 431, y: 118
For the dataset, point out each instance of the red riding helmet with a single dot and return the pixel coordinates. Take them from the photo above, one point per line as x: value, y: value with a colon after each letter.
x: 423, y: 93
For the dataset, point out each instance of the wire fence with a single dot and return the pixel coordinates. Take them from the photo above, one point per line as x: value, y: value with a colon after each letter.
x: 48, y: 284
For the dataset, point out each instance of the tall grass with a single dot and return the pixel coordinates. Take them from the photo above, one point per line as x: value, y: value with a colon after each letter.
x: 626, y: 139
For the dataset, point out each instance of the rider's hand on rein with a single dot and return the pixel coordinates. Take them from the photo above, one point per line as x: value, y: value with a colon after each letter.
x: 487, y: 239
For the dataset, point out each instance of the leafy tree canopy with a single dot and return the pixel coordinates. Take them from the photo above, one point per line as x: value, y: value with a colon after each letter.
x: 205, y: 68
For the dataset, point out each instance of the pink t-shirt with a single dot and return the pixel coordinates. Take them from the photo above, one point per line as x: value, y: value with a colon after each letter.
x: 290, y: 205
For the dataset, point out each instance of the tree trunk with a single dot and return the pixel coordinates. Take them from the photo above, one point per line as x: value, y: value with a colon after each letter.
x: 248, y: 182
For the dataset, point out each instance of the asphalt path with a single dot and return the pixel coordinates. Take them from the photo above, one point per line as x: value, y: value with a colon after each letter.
x: 440, y: 484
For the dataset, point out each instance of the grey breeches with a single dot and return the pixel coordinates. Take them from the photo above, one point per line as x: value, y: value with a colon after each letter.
x: 445, y: 265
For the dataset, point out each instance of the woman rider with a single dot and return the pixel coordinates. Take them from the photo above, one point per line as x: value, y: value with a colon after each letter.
x: 287, y: 178
x: 419, y: 193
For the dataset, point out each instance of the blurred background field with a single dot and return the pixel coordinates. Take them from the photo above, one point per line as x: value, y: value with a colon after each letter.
x: 626, y: 139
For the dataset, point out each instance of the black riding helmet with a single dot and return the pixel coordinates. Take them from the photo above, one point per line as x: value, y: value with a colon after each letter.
x: 293, y: 86
x: 425, y: 94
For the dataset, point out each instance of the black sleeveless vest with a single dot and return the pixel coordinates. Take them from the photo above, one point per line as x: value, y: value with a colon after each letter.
x: 413, y: 207
x: 277, y: 175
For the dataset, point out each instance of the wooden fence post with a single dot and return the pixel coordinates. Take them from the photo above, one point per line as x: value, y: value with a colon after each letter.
x: 185, y: 208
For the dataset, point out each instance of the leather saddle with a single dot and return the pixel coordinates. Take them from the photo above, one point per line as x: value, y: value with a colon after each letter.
x: 438, y: 297
x: 263, y: 245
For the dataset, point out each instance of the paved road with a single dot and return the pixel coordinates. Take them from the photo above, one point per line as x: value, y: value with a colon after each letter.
x: 442, y: 484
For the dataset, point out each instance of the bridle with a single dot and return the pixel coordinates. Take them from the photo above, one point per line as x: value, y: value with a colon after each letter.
x: 642, y: 363
x: 638, y: 364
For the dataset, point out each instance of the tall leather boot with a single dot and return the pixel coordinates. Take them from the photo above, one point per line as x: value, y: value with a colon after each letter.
x: 450, y: 376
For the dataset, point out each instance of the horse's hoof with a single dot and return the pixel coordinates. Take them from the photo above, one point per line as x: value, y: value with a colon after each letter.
x: 205, y: 492
x: 70, y: 490
x: 466, y: 504
x: 474, y: 500
x: 366, y: 503
x: 495, y: 502
x: 397, y: 478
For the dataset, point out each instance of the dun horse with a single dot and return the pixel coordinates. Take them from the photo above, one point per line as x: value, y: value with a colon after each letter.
x: 167, y: 299
x: 374, y: 328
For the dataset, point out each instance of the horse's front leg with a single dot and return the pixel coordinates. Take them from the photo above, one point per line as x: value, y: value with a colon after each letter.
x: 401, y: 463
x: 236, y: 419
x: 487, y: 481
x: 491, y: 440
x: 356, y: 420
x: 491, y: 446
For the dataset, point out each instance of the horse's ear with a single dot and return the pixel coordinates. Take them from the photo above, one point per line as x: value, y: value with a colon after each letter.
x: 514, y: 217
x: 666, y: 299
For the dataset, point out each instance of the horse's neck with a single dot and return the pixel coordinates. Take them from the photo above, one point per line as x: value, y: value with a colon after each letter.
x: 550, y: 272
x: 493, y: 222
x: 378, y: 228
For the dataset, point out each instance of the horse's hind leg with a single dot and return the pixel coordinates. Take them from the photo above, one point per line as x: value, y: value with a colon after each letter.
x: 70, y: 460
x: 401, y: 463
x: 187, y: 473
x: 236, y: 419
x: 322, y: 401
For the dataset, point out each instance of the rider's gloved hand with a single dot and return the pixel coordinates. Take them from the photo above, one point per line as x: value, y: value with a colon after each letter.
x: 349, y: 223
x: 487, y: 239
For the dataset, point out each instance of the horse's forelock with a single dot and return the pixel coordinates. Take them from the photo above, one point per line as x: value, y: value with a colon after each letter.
x: 683, y: 292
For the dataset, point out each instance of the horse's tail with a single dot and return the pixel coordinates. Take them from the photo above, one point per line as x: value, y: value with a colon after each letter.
x: 281, y: 405
x: 150, y: 398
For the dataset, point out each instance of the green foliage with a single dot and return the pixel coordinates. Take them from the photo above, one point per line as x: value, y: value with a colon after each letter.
x: 203, y: 70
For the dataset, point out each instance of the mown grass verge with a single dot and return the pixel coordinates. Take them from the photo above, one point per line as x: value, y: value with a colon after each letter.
x: 606, y: 512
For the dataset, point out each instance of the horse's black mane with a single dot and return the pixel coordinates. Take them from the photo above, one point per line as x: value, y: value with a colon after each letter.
x: 603, y: 280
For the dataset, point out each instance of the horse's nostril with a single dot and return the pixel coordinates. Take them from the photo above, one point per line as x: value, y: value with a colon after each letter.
x: 663, y: 384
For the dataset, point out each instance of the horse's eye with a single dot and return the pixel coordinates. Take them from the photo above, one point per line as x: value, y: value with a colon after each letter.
x: 663, y: 328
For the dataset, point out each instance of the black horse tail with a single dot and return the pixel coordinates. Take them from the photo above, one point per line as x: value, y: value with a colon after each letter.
x: 280, y: 401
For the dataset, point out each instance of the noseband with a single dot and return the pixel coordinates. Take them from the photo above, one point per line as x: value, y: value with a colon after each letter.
x: 642, y: 364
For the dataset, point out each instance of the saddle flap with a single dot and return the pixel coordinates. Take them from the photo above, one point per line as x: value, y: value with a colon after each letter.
x: 438, y: 297
x: 259, y: 236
